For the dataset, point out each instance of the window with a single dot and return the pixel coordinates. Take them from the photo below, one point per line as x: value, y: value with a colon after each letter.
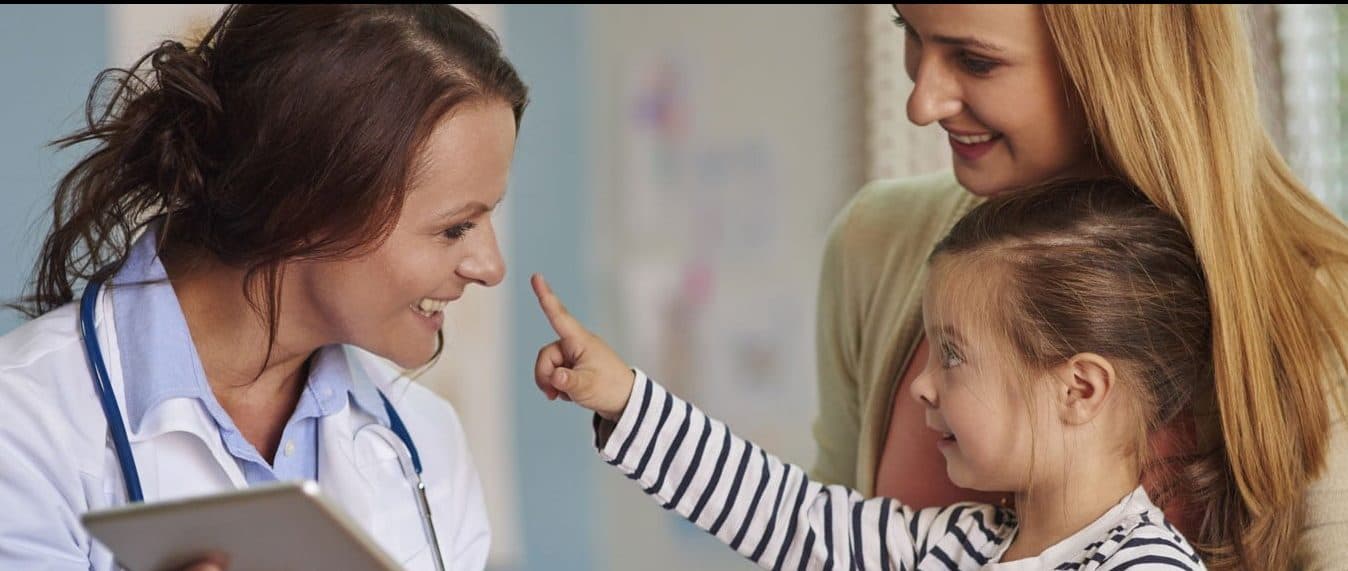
x: 1312, y: 55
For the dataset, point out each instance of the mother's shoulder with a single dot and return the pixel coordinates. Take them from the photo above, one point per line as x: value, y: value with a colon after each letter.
x: 936, y: 186
x: 888, y: 210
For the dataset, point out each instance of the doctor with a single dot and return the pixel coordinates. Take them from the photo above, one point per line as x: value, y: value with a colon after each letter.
x: 270, y: 226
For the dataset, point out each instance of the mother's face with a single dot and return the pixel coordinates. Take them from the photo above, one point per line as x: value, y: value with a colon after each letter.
x: 990, y: 76
x: 389, y: 300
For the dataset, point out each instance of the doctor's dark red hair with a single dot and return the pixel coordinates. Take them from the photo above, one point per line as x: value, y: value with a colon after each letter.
x: 288, y: 132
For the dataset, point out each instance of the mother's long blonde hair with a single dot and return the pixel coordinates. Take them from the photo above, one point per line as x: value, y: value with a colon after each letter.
x: 1170, y: 96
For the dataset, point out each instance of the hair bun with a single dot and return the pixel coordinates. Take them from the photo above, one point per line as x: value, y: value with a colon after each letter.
x: 184, y: 113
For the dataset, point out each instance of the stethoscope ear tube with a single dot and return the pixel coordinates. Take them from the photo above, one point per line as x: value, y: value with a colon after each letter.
x: 423, y: 505
x: 407, y: 462
x: 396, y: 423
x: 103, y: 386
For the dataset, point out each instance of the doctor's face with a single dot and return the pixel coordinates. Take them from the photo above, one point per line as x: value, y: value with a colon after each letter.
x: 389, y: 301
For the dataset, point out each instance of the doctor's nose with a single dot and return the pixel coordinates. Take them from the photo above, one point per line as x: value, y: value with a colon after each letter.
x: 485, y: 264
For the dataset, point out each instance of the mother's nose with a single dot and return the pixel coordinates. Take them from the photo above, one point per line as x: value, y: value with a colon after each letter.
x: 936, y: 95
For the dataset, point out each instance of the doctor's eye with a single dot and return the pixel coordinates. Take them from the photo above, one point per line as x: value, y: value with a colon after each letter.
x: 458, y: 231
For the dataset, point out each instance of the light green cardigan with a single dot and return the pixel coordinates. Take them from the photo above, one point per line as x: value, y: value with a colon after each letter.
x: 869, y: 324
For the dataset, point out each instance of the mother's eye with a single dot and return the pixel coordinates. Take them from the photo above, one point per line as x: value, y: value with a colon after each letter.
x: 977, y: 65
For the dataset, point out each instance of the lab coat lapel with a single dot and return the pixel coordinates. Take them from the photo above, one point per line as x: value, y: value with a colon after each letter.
x: 182, y: 444
x: 178, y: 450
x: 338, y: 477
x: 360, y: 471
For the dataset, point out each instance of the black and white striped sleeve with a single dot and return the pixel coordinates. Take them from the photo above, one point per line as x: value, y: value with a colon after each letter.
x: 764, y: 509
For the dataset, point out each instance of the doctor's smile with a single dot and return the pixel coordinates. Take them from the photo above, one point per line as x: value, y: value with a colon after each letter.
x: 258, y: 320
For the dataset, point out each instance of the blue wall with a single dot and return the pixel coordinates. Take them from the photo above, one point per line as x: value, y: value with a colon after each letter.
x: 549, y: 204
x: 49, y: 56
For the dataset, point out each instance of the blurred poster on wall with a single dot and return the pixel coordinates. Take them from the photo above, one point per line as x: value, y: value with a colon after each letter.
x: 706, y: 292
x: 720, y: 158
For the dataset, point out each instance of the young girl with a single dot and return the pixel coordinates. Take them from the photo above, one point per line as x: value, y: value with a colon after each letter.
x: 1067, y: 323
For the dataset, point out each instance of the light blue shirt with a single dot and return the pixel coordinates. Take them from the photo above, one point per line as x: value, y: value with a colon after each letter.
x: 160, y: 363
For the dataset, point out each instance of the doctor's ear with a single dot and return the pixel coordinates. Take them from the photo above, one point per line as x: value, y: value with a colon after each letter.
x: 1084, y: 383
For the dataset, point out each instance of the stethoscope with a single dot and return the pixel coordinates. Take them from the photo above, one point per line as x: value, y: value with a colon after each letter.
x: 408, y: 458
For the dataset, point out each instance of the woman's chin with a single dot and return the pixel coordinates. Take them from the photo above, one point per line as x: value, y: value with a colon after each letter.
x: 415, y: 359
x: 978, y: 183
x: 407, y: 352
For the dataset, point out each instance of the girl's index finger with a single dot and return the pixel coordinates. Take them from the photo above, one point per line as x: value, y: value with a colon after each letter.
x: 561, y: 320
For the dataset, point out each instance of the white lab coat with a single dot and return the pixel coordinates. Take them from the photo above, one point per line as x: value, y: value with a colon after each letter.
x: 57, y: 461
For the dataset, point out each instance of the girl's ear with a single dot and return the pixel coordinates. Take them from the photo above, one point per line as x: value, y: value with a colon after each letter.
x: 1085, y: 382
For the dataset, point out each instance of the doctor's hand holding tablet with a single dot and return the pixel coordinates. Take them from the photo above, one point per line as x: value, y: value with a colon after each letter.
x: 239, y: 275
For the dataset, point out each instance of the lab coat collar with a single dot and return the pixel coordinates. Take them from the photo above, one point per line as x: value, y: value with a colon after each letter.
x: 175, y: 407
x: 156, y: 346
x: 156, y: 350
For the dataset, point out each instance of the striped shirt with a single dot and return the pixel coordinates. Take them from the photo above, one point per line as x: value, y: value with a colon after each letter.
x: 773, y: 514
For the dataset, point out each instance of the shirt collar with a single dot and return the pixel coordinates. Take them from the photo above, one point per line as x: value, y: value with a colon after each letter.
x: 1136, y: 502
x: 330, y: 376
x: 160, y: 362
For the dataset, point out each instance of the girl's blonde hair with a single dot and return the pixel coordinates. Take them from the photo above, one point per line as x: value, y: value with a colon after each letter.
x: 1170, y: 97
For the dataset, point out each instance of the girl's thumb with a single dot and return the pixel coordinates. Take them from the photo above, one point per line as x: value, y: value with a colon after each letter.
x: 563, y: 379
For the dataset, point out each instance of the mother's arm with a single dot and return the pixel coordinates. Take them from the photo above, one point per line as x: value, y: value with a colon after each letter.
x: 875, y: 252
x: 1324, y: 541
x: 838, y: 424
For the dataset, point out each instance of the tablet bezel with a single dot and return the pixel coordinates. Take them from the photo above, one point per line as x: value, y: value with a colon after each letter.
x: 122, y: 529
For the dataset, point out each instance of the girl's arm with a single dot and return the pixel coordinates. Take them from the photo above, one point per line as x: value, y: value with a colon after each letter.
x: 770, y: 511
x: 765, y: 509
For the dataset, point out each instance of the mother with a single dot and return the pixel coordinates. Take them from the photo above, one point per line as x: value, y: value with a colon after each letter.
x: 1163, y: 95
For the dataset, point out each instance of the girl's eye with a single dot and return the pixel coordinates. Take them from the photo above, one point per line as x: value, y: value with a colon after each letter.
x: 977, y: 65
x: 949, y: 358
x: 459, y: 230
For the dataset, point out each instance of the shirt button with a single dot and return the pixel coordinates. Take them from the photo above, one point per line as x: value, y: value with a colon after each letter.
x: 290, y: 448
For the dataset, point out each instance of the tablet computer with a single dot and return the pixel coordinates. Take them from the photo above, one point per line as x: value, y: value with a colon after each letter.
x: 271, y: 527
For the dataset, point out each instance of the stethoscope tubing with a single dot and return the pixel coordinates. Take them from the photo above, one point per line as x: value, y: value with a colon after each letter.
x: 122, y: 443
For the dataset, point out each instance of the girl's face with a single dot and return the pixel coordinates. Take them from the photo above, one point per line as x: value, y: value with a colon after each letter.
x: 388, y: 301
x: 974, y: 394
x: 989, y: 76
